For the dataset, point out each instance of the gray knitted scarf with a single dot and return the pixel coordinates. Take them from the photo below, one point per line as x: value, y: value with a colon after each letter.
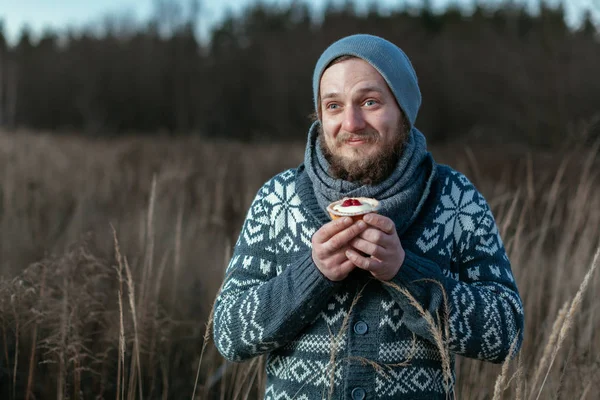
x: 401, y: 195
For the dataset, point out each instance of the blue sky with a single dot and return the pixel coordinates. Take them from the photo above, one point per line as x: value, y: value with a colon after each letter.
x: 59, y: 14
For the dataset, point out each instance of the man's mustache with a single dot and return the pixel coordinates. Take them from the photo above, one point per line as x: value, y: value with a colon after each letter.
x: 368, y: 136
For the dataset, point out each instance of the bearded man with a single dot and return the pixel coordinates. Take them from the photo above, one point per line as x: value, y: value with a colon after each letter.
x: 374, y: 308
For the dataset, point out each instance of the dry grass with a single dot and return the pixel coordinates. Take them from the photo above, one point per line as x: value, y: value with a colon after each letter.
x: 111, y: 253
x: 439, y: 332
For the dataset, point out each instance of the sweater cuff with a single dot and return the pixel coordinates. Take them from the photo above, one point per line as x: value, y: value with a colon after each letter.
x: 417, y: 273
x: 310, y: 286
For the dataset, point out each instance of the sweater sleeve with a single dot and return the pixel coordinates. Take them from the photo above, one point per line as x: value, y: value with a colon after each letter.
x: 482, y: 309
x: 261, y: 305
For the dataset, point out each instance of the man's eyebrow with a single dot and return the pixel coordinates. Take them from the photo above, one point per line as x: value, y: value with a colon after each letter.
x: 370, y: 89
x: 329, y: 95
x: 365, y: 89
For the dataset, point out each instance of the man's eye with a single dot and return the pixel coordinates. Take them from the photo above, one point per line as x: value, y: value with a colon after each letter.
x: 370, y: 103
x: 332, y: 106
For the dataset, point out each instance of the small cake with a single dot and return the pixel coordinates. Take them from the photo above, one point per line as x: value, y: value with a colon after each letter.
x: 354, y: 207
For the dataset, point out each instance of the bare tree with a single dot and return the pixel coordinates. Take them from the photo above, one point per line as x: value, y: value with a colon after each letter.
x: 195, y: 9
x: 2, y: 62
x: 3, y: 56
x: 168, y: 15
x: 12, y: 78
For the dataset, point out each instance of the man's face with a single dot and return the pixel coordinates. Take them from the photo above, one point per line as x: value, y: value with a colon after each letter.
x: 362, y: 126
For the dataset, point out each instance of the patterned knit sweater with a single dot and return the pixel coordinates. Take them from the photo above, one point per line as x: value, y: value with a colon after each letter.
x: 361, y: 338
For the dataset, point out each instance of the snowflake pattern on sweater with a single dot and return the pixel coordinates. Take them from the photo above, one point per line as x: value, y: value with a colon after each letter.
x: 326, y: 339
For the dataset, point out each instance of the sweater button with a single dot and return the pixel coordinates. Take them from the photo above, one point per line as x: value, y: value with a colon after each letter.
x: 358, y: 393
x: 361, y: 328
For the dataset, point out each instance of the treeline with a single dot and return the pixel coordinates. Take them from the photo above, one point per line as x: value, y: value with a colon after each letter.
x: 500, y: 74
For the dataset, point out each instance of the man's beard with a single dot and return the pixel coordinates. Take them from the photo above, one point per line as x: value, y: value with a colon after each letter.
x: 368, y: 170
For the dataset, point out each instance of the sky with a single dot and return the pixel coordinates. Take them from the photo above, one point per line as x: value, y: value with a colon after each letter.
x: 59, y: 14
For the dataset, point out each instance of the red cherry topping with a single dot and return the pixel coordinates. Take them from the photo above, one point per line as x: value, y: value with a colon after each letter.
x: 347, y: 203
x: 351, y: 202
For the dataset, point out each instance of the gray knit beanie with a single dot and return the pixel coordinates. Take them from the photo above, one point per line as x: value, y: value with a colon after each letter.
x: 386, y: 58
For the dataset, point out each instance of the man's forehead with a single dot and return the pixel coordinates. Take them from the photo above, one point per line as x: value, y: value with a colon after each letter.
x: 368, y: 88
x: 358, y: 73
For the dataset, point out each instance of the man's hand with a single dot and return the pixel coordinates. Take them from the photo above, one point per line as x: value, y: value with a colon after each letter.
x: 380, y: 241
x: 329, y: 245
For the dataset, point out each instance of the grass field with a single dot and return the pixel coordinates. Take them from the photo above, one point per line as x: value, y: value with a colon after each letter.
x: 111, y: 253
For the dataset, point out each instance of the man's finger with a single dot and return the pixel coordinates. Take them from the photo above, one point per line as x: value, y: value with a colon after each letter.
x: 347, y: 265
x: 371, y: 264
x: 379, y: 221
x: 375, y: 235
x: 328, y: 230
x: 358, y: 260
x: 366, y: 263
x: 342, y: 238
x: 367, y: 247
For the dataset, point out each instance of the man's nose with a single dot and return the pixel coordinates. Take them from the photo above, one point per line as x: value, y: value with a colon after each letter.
x: 353, y: 119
